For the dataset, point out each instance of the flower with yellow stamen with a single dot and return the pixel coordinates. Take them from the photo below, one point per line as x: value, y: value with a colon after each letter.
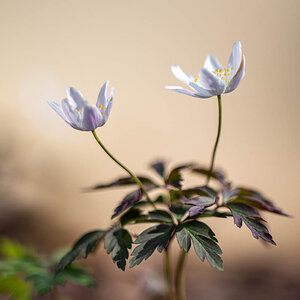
x: 81, y: 115
x: 213, y: 79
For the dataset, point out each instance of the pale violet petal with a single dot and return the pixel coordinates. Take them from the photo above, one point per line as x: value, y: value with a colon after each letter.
x: 181, y: 90
x: 71, y: 114
x: 202, y: 93
x: 102, y: 97
x: 108, y: 109
x: 235, y: 58
x: 211, y: 63
x: 59, y: 110
x: 235, y: 81
x: 91, y: 118
x: 112, y: 94
x: 182, y: 76
x: 76, y: 96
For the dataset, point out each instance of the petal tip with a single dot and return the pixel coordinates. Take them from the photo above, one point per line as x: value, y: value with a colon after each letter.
x: 237, y: 44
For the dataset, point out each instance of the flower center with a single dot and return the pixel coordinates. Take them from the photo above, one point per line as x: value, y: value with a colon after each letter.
x: 224, y: 74
x: 102, y: 109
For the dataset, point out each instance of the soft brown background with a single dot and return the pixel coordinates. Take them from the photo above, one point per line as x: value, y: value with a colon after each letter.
x: 47, y: 46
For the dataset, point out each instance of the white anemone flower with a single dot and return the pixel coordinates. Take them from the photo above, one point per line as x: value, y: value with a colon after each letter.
x: 81, y: 115
x: 213, y: 79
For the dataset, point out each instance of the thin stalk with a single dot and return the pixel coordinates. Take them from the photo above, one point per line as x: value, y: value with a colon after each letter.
x: 169, y: 274
x: 134, y: 177
x: 217, y: 140
x: 179, y: 285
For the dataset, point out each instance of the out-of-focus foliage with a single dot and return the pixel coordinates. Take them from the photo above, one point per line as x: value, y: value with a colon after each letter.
x: 23, y: 271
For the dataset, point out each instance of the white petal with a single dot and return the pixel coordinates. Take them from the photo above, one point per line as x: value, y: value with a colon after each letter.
x: 211, y: 82
x: 71, y: 114
x: 76, y: 97
x: 235, y: 58
x: 235, y: 81
x: 211, y: 63
x: 91, y: 118
x: 179, y: 89
x: 182, y: 76
x: 59, y: 110
x: 102, y: 97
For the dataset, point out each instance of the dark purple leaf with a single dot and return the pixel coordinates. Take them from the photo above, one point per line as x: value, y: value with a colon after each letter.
x: 126, y: 181
x: 159, y: 167
x: 256, y: 199
x: 200, y: 203
x: 250, y: 216
x: 175, y: 177
x: 216, y: 174
x: 127, y: 202
x: 196, y: 210
x: 229, y: 194
x: 200, y: 191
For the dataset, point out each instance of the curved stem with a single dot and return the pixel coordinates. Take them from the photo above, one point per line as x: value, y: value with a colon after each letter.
x: 134, y: 177
x: 168, y: 274
x: 179, y: 285
x: 217, y: 140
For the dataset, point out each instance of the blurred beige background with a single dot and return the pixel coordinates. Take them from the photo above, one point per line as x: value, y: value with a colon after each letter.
x: 47, y: 46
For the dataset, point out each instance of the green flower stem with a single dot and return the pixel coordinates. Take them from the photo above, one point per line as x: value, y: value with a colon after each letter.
x: 217, y: 140
x: 168, y: 274
x: 179, y: 285
x: 180, y: 263
x: 134, y: 177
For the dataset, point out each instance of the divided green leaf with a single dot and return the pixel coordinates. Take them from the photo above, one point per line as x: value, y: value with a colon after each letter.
x: 23, y: 268
x: 160, y: 216
x: 179, y: 210
x: 84, y: 246
x: 204, y: 241
x: 130, y: 216
x: 156, y: 237
x: 42, y: 280
x: 135, y: 215
x: 117, y: 241
x: 76, y: 274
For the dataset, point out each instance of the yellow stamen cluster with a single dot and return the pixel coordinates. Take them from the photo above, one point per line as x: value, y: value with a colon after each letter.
x: 102, y: 109
x: 225, y: 73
